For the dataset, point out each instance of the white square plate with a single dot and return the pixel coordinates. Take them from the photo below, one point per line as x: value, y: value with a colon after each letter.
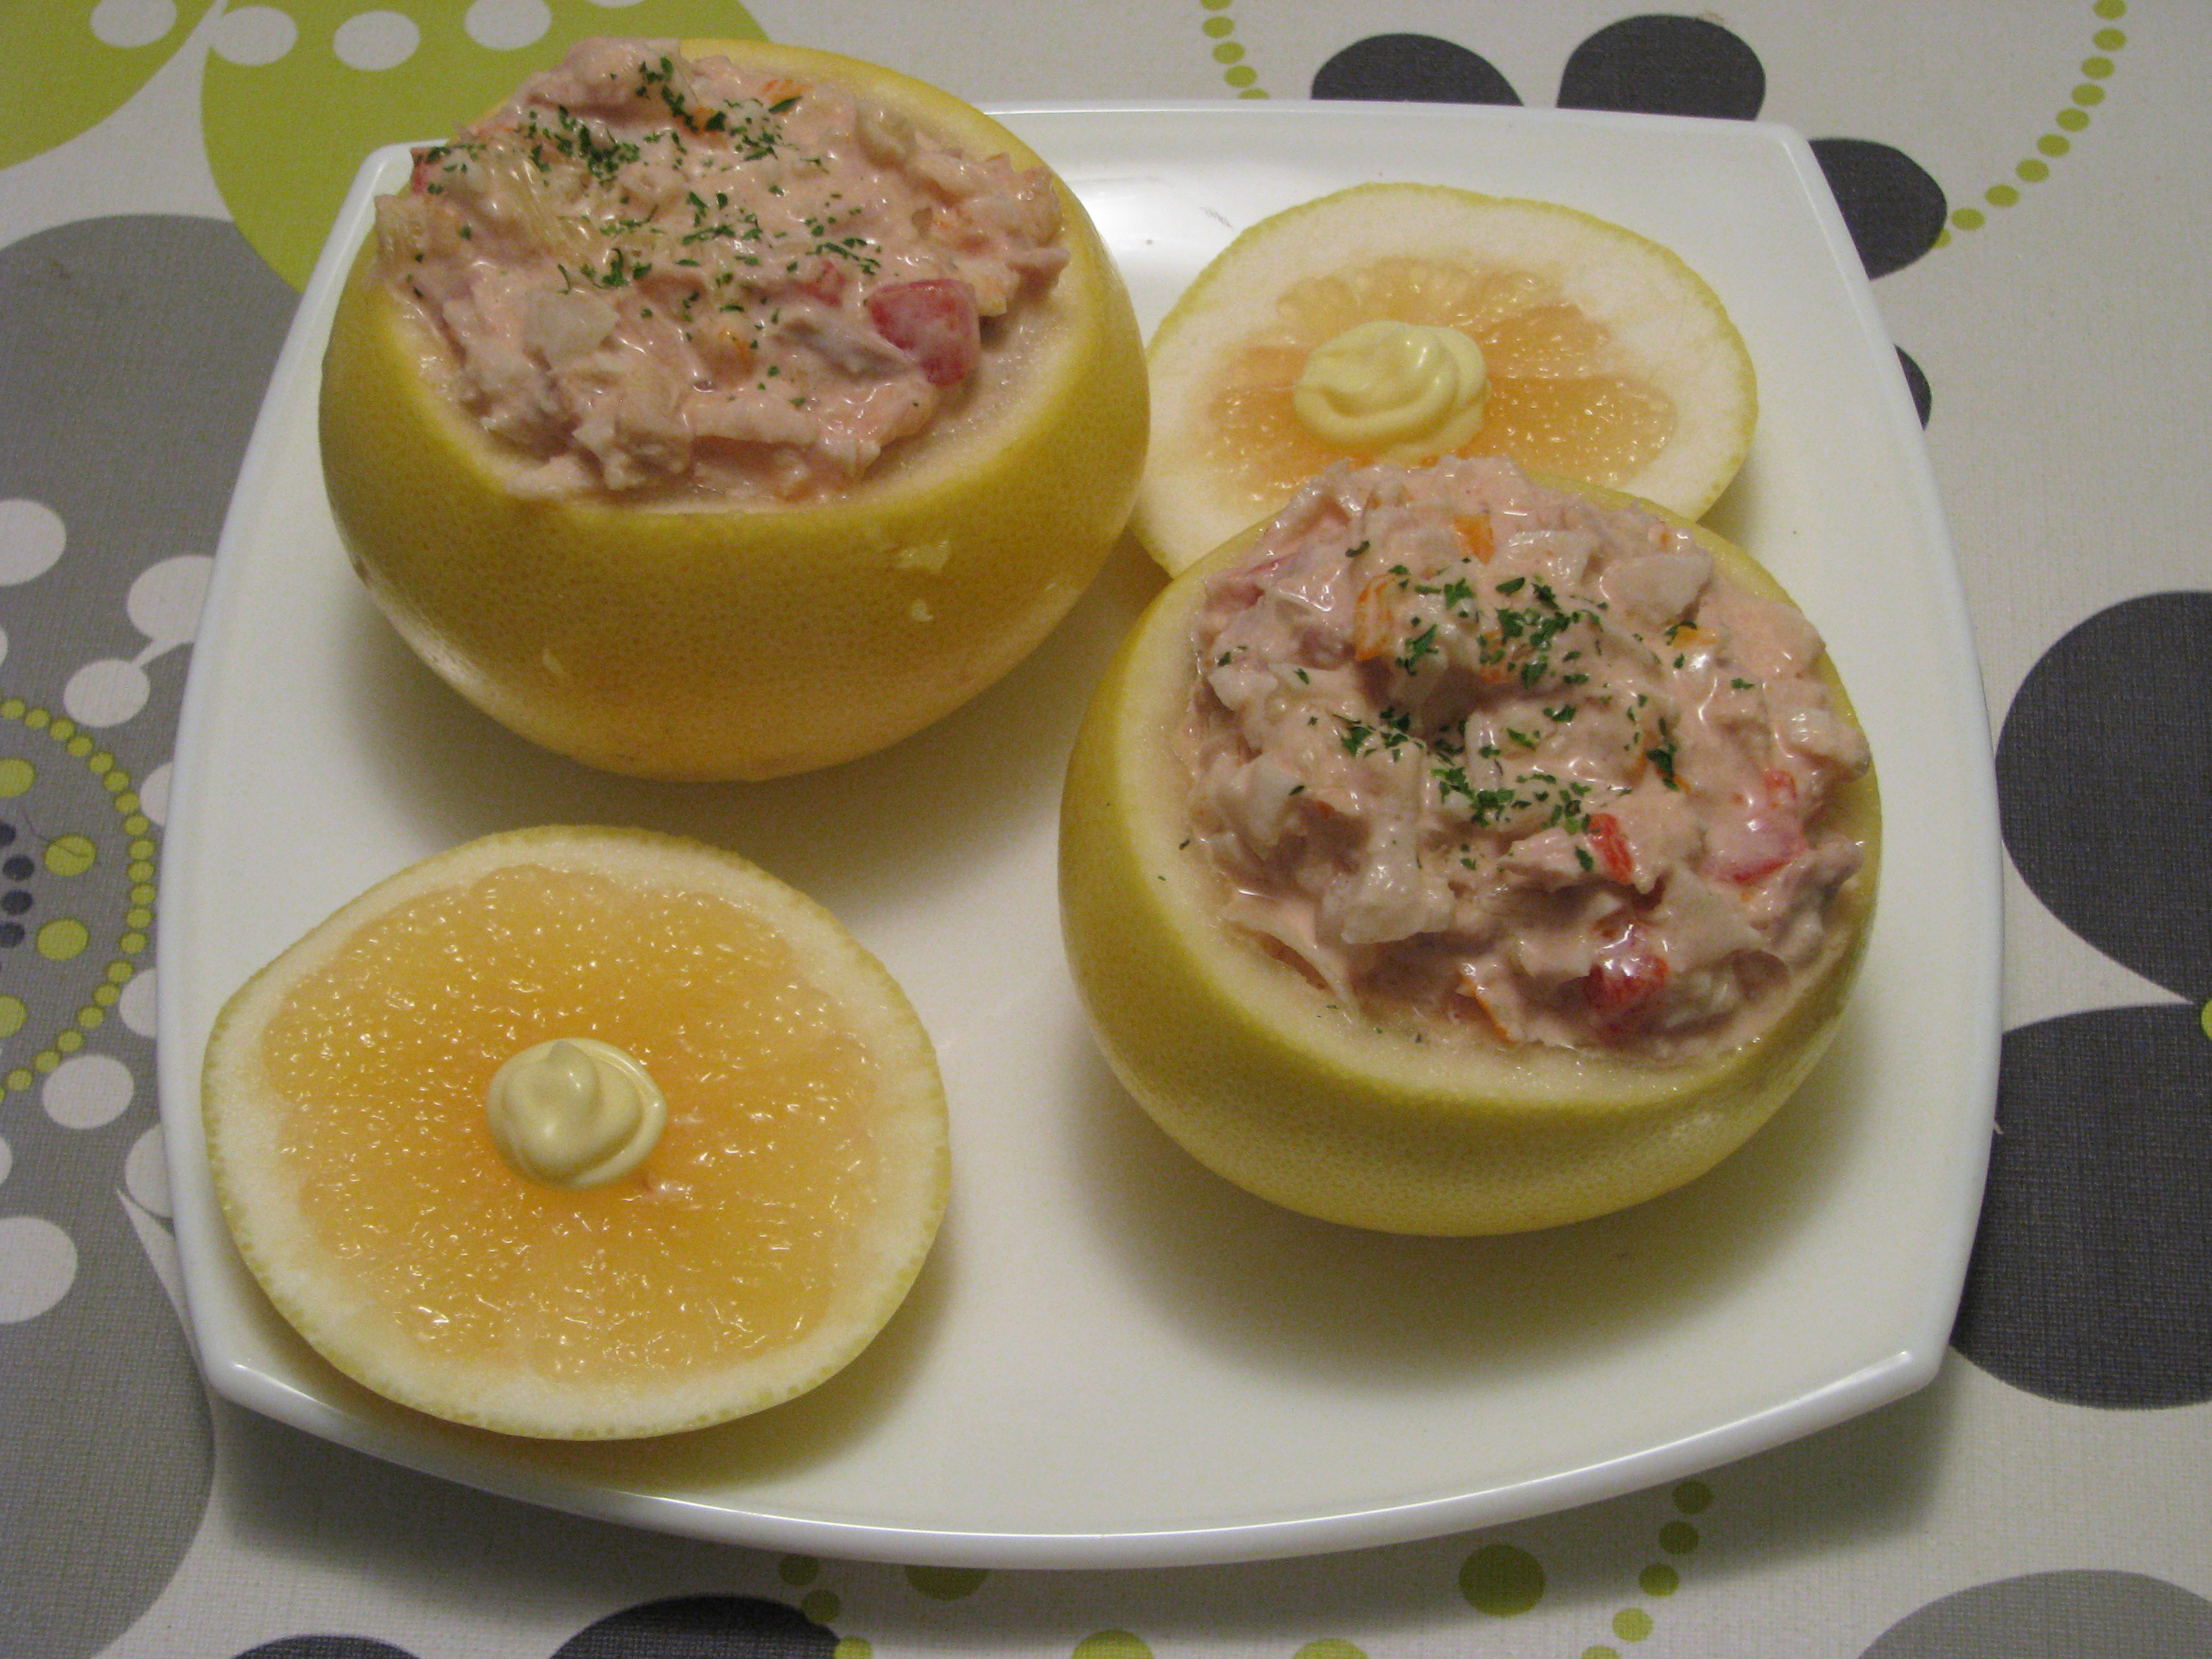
x: 1113, y: 1359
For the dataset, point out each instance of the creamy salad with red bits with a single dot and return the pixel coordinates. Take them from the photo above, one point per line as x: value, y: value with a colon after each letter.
x: 682, y: 281
x: 1478, y: 754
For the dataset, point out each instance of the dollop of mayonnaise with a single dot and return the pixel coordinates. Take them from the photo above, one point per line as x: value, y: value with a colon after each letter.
x: 1398, y: 391
x: 574, y: 1112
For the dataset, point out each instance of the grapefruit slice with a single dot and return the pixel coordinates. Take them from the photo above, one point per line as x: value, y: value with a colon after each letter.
x: 1608, y: 358
x: 1380, y: 1120
x: 747, y: 642
x: 763, y: 1240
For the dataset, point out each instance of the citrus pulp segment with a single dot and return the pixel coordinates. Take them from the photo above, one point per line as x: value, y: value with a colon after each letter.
x: 738, y: 642
x: 767, y: 1236
x: 1267, y: 1079
x: 1608, y: 358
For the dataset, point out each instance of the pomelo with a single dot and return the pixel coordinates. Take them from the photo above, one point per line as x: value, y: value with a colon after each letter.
x: 1608, y: 358
x: 767, y: 1236
x: 747, y: 642
x: 1275, y: 1084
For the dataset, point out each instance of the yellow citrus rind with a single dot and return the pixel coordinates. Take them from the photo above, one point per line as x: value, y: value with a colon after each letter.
x: 384, y: 1226
x: 1259, y: 1075
x: 1589, y: 330
x: 746, y: 642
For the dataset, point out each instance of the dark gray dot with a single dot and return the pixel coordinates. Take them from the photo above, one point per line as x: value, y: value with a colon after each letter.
x: 1665, y: 65
x: 703, y: 1627
x: 1412, y: 69
x: 1916, y: 381
x: 2104, y: 766
x: 2079, y: 1615
x: 1893, y: 207
x: 2087, y: 1280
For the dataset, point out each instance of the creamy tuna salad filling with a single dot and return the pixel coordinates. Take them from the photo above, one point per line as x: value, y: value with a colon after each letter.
x: 662, y: 277
x: 1476, y: 753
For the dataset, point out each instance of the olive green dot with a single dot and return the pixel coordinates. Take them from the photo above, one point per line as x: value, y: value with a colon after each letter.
x: 63, y: 939
x: 1111, y: 1645
x: 1501, y: 1580
x: 80, y: 745
x: 2001, y: 195
x: 2033, y: 171
x: 71, y: 854
x: 13, y: 709
x: 121, y: 973
x: 2074, y: 120
x: 114, y: 783
x: 1631, y: 1624
x: 142, y: 849
x: 1600, y: 1653
x: 1678, y: 1538
x: 2203, y: 1020
x: 798, y: 1569
x: 16, y: 775
x: 1659, y: 1579
x: 1253, y: 92
x: 2089, y: 97
x: 70, y: 1042
x: 2109, y: 40
x: 1967, y: 218
x: 44, y: 1062
x: 18, y: 1078
x: 140, y: 869
x: 822, y: 1606
x: 12, y: 1016
x: 138, y: 823
x: 1330, y: 1647
x: 106, y: 995
x: 2052, y: 145
x: 1693, y: 1497
x: 946, y: 1584
x: 90, y: 1018
x: 138, y: 920
x: 1217, y: 26
x: 1242, y: 75
x: 853, y: 1647
x: 1215, y: 5
x: 37, y: 719
x: 2096, y: 69
x: 65, y: 728
x: 1228, y: 52
x: 134, y: 942
x: 101, y: 765
x: 2111, y: 8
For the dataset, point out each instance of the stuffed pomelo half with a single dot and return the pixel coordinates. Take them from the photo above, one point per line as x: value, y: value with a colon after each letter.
x: 579, y: 1133
x: 1399, y: 322
x: 730, y: 411
x: 1461, y: 906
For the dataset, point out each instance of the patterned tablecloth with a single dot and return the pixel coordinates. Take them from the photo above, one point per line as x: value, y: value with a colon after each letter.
x: 2025, y: 182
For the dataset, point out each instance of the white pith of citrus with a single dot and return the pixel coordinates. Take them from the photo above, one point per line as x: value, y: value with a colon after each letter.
x: 1250, y: 1066
x: 751, y: 641
x: 772, y: 1229
x: 1609, y: 359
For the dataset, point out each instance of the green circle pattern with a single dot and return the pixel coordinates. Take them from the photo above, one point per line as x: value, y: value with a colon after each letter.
x: 946, y: 1584
x: 1502, y: 1580
x: 1659, y: 1579
x: 2089, y: 92
x: 66, y: 938
x: 1220, y: 32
